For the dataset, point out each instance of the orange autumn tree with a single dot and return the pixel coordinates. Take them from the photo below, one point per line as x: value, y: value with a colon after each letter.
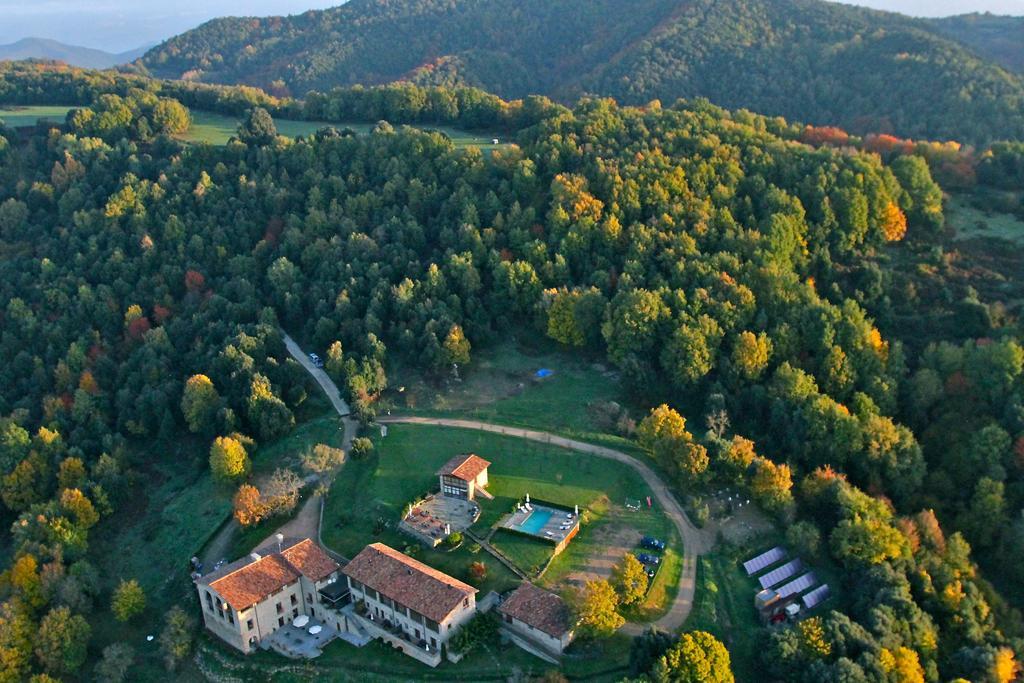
x: 894, y: 223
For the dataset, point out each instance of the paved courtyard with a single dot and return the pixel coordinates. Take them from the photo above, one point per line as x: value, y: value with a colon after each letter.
x: 428, y: 519
x: 299, y: 643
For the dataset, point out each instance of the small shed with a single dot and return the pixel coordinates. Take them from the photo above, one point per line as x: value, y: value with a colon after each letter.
x: 463, y: 476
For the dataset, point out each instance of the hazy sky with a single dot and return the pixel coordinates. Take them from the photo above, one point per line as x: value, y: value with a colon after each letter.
x: 943, y: 8
x: 117, y: 25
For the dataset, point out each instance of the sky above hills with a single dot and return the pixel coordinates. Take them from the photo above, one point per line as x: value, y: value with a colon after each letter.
x: 118, y: 25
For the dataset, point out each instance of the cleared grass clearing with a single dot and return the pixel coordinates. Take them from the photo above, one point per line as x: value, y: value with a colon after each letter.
x: 501, y: 386
x: 970, y: 222
x: 21, y: 117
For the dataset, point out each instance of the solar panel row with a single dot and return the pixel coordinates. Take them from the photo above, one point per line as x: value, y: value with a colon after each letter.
x: 765, y: 559
x: 817, y: 596
x: 797, y: 585
x: 780, y: 574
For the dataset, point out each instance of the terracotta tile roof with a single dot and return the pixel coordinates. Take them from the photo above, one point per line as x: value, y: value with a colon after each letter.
x: 413, y: 584
x: 248, y: 581
x: 538, y: 608
x: 464, y: 467
x: 254, y: 580
x: 310, y: 559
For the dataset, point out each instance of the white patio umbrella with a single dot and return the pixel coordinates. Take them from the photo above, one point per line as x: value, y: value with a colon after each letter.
x: 300, y: 621
x: 313, y: 630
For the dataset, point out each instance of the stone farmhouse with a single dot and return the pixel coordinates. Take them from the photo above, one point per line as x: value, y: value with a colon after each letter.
x: 537, y: 621
x: 247, y: 601
x: 410, y: 605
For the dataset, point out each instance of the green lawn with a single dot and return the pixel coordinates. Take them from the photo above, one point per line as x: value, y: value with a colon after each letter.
x: 21, y: 117
x: 663, y: 588
x: 529, y: 554
x: 602, y: 662
x: 969, y: 222
x: 373, y: 491
x: 500, y: 385
x: 215, y: 129
x: 724, y: 606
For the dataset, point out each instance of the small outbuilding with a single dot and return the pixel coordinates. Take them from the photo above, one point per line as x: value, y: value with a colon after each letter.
x: 464, y: 476
x: 537, y: 621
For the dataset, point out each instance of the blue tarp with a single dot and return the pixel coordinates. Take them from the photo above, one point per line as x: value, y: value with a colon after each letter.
x: 544, y: 372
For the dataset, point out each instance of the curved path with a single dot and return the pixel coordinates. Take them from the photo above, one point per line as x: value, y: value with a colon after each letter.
x: 307, y: 520
x: 694, y: 542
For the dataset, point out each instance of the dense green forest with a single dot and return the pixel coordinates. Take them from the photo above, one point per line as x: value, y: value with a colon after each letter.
x: 726, y: 267
x: 998, y: 38
x: 819, y: 62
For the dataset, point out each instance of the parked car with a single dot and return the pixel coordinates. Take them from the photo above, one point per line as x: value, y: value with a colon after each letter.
x: 316, y: 360
x: 652, y: 543
x: 648, y: 559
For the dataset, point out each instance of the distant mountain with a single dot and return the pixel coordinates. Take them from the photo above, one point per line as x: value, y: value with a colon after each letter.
x: 808, y: 60
x: 86, y: 57
x: 1000, y: 39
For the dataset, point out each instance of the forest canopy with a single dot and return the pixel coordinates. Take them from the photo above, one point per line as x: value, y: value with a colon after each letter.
x: 705, y: 253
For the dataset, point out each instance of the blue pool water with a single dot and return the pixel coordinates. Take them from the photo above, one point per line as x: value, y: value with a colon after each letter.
x: 536, y: 521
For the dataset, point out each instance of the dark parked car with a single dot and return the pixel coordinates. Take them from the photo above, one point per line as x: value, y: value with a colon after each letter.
x: 648, y: 559
x: 652, y: 543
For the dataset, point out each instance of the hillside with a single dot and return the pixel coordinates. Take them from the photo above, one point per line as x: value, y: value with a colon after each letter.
x: 75, y: 55
x: 804, y: 59
x: 998, y: 38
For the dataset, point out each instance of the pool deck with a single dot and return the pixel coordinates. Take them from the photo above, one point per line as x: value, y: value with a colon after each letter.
x: 561, y: 524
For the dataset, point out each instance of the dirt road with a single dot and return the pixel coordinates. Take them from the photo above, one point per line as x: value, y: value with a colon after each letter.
x: 694, y: 542
x: 306, y: 522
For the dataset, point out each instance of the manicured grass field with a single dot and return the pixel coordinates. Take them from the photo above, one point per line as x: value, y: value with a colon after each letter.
x: 216, y: 129
x: 373, y: 491
x: 529, y: 554
x: 20, y: 117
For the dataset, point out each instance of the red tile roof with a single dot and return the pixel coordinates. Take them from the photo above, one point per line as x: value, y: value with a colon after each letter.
x: 464, y: 467
x: 248, y: 581
x: 310, y: 559
x: 409, y: 582
x: 538, y: 608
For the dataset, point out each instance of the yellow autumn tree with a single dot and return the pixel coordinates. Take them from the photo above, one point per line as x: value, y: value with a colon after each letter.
x: 894, y: 223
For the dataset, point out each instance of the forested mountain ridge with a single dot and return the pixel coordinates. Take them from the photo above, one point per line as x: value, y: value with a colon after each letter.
x: 719, y: 263
x: 998, y: 38
x: 76, y: 55
x: 818, y: 62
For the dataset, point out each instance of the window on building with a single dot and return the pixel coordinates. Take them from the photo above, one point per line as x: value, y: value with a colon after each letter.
x: 280, y: 621
x: 432, y: 625
x: 465, y: 602
x: 280, y: 608
x: 508, y: 619
x: 220, y: 612
x: 248, y: 625
x: 295, y: 612
x: 295, y: 599
x: 231, y: 616
x: 209, y: 600
x: 309, y: 598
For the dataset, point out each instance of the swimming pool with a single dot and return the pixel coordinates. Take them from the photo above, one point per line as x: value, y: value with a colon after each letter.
x: 536, y: 521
